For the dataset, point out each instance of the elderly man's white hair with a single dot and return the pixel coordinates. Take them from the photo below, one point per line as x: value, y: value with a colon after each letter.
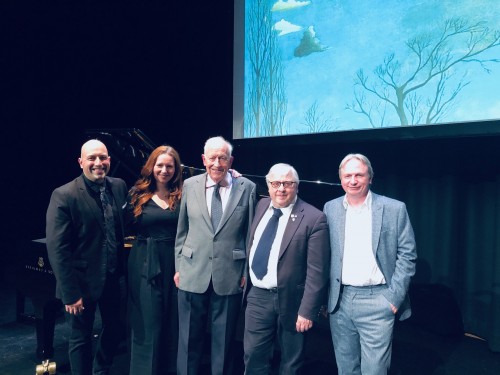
x: 283, y: 169
x: 217, y: 142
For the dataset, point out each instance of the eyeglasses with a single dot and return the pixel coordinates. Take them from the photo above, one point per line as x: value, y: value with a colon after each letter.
x: 95, y: 157
x: 277, y: 184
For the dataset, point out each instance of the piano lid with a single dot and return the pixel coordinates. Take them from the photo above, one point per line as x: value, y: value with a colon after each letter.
x: 129, y: 150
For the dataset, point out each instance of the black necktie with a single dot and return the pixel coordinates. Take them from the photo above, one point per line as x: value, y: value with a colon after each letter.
x: 109, y: 223
x: 261, y: 256
x: 216, y: 209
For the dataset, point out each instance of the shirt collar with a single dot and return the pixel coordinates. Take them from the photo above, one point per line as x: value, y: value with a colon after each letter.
x: 93, y: 185
x: 366, y: 204
x: 226, y: 182
x: 286, y: 209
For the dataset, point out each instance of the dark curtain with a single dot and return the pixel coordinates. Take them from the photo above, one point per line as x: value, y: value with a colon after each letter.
x: 456, y: 221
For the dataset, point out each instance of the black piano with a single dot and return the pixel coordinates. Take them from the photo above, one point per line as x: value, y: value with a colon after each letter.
x: 33, y: 278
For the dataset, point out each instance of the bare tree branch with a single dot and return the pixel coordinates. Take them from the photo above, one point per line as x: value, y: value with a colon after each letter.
x: 432, y: 58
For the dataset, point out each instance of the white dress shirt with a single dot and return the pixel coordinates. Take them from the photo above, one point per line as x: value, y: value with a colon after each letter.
x: 359, y: 266
x: 270, y: 280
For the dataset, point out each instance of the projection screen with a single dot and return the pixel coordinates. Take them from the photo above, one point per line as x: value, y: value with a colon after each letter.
x: 317, y: 66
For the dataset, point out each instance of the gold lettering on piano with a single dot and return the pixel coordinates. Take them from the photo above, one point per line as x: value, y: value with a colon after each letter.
x: 38, y: 269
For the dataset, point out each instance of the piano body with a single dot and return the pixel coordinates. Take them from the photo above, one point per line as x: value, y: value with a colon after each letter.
x: 33, y: 278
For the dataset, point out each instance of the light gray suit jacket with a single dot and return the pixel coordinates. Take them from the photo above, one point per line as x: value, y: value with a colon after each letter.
x: 393, y: 243
x: 201, y: 254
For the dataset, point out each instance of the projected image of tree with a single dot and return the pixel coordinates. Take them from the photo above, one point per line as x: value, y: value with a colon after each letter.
x: 333, y: 65
x: 266, y: 96
x: 422, y: 91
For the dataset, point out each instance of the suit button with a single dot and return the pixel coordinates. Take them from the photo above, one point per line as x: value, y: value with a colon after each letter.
x: 210, y: 258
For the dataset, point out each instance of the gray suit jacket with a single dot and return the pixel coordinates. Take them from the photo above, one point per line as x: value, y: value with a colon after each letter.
x: 393, y: 243
x: 201, y: 254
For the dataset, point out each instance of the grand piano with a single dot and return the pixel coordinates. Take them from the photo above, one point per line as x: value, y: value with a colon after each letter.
x: 31, y: 273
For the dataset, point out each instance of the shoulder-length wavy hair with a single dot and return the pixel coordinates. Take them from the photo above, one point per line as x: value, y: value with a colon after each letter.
x: 145, y: 186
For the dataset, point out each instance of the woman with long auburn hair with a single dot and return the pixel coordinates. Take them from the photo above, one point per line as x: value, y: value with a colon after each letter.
x: 154, y: 212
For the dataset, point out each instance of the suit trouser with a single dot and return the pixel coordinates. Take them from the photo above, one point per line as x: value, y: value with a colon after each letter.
x: 262, y: 325
x: 362, y: 331
x: 113, y: 330
x: 194, y: 309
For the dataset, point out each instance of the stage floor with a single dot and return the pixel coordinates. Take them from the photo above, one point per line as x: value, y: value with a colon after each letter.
x: 416, y: 351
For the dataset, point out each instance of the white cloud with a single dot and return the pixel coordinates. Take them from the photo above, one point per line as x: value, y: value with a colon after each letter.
x: 285, y: 27
x: 287, y: 5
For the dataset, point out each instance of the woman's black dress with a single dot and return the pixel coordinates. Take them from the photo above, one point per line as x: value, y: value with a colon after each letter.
x: 152, y: 292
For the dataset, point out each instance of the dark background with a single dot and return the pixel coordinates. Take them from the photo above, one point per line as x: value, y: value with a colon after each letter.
x: 67, y: 66
x: 166, y: 68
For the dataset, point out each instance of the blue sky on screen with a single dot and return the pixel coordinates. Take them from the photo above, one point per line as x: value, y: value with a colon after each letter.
x: 346, y: 36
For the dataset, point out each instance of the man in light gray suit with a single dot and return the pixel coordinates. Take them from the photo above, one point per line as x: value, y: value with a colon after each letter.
x: 373, y: 259
x: 216, y: 212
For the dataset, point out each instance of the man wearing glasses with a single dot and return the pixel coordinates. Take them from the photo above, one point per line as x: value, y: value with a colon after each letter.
x: 288, y: 274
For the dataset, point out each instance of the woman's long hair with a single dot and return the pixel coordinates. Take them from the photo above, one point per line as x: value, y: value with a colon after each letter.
x: 145, y: 186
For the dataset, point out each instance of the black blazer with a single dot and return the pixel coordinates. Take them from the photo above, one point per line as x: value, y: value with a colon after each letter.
x: 304, y: 262
x: 76, y: 239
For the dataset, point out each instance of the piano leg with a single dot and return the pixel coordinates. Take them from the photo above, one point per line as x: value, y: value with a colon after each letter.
x: 20, y: 305
x: 45, y: 321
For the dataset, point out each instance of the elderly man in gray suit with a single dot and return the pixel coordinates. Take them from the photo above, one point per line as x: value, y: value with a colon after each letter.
x: 216, y: 212
x: 373, y: 259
